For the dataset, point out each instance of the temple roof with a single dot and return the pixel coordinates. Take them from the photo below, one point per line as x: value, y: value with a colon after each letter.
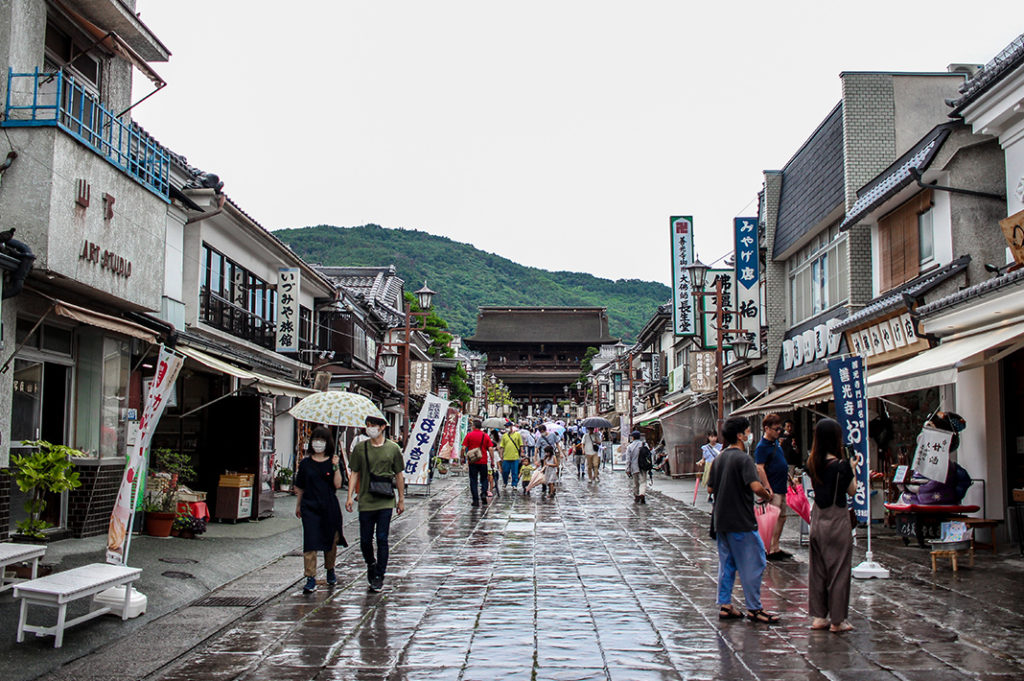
x: 581, y: 325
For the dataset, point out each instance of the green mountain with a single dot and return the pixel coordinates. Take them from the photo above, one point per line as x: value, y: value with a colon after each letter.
x: 466, y: 277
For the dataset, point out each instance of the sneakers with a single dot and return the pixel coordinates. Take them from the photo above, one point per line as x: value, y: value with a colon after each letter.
x: 376, y: 584
x: 310, y: 586
x: 475, y: 503
x: 332, y: 578
x: 371, y: 573
x: 643, y: 499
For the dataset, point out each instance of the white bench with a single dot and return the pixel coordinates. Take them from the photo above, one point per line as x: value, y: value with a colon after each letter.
x: 18, y: 553
x: 60, y: 589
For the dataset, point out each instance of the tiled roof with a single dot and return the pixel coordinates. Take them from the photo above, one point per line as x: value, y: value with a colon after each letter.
x: 1000, y: 66
x: 897, y: 176
x: 380, y: 287
x: 541, y: 325
x: 893, y: 300
x: 973, y: 292
x: 812, y: 182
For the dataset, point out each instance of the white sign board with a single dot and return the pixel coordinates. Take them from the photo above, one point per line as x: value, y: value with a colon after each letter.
x: 421, y: 439
x: 703, y: 371
x: 684, y: 321
x: 287, y: 331
x: 932, y: 456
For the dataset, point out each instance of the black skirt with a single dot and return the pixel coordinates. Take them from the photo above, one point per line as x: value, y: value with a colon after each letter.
x: 320, y: 508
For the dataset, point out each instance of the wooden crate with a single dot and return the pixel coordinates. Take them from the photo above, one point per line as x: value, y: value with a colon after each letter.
x: 237, y: 480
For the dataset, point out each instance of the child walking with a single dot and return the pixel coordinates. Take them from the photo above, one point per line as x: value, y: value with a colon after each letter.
x: 525, y: 473
x: 551, y: 465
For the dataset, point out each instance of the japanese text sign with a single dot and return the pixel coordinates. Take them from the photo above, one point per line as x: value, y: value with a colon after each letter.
x: 932, y: 456
x: 849, y: 381
x: 684, y: 321
x: 419, y: 377
x: 748, y: 280
x: 728, y: 307
x: 421, y: 439
x: 447, y: 449
x: 287, y: 309
x: 703, y: 372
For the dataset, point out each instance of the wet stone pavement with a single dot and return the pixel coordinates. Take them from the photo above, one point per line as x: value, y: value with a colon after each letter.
x: 589, y: 586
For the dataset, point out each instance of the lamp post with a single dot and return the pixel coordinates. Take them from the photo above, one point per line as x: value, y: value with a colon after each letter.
x: 698, y: 273
x: 425, y: 298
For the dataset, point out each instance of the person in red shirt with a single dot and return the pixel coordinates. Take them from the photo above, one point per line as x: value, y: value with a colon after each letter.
x: 476, y: 447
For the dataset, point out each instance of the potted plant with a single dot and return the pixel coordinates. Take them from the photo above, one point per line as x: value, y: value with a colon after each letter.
x: 284, y: 478
x: 171, y: 468
x: 188, y: 526
x: 46, y: 469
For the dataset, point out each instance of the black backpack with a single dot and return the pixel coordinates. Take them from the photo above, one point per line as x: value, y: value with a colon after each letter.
x: 644, y: 460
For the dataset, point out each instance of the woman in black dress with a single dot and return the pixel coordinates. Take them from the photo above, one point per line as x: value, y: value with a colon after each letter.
x: 316, y: 483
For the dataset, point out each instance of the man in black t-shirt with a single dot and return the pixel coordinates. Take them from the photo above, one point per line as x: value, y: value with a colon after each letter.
x: 734, y: 482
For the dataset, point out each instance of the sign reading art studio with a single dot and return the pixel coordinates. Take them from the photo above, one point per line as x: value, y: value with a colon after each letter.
x: 887, y: 339
x: 118, y: 265
x: 814, y: 344
x: 684, y: 321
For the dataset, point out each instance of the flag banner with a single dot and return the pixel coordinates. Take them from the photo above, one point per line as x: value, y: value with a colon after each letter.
x: 748, y: 281
x: 932, y: 456
x: 684, y: 321
x: 287, y: 309
x: 421, y: 439
x: 119, y: 532
x: 447, y: 449
x: 463, y: 432
x: 849, y: 378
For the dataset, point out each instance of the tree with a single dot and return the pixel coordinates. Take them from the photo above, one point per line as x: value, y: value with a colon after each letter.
x: 435, y: 328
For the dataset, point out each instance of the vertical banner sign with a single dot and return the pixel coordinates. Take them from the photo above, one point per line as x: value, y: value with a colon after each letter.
x: 932, y: 456
x: 288, y: 309
x: 447, y: 448
x: 708, y: 321
x: 703, y: 372
x: 849, y: 379
x: 463, y: 431
x: 119, y: 532
x: 421, y: 439
x: 748, y: 280
x: 621, y: 401
x: 419, y: 377
x: 683, y: 319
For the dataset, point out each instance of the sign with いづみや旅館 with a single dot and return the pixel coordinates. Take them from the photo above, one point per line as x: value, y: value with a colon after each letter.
x: 287, y: 330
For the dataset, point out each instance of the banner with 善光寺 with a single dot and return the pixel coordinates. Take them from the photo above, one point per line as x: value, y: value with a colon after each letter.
x: 849, y: 381
x: 421, y: 439
x: 120, y: 528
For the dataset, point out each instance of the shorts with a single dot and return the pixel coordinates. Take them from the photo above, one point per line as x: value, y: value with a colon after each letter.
x: 780, y: 501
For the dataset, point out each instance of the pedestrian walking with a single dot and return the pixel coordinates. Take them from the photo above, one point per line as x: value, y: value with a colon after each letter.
x: 592, y: 450
x: 773, y: 472
x: 734, y: 482
x: 578, y: 458
x: 525, y: 473
x: 708, y: 453
x: 511, y: 447
x: 529, y: 442
x: 831, y: 550
x: 638, y: 465
x: 791, y: 448
x: 476, y: 447
x: 551, y: 465
x: 316, y: 484
x: 377, y: 471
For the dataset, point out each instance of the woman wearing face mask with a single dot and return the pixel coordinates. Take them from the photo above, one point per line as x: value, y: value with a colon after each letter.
x: 316, y: 483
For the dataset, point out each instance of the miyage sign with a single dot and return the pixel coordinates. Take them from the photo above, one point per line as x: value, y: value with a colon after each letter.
x: 681, y: 230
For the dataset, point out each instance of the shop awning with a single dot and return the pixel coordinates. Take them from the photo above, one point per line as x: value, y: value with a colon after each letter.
x: 818, y: 391
x: 940, y: 365
x: 261, y: 382
x: 780, y: 400
x: 102, y: 321
x: 649, y: 417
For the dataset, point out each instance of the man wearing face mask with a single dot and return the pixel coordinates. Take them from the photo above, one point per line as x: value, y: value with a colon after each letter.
x: 376, y: 459
x: 316, y: 485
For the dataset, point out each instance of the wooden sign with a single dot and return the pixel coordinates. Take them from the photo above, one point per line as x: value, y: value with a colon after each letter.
x: 1013, y: 231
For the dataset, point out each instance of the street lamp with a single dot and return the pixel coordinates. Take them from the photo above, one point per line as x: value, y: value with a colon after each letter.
x: 742, y: 343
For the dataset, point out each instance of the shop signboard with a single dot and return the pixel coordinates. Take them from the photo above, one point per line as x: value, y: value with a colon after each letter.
x: 810, y: 345
x: 932, y: 456
x: 849, y: 382
x: 419, y: 377
x: 887, y: 339
x: 449, y: 445
x: 119, y: 532
x: 421, y: 439
x: 684, y: 322
x: 675, y: 379
x: 287, y: 331
x: 1013, y: 232
x: 621, y: 401
x: 709, y: 319
x: 748, y: 280
x: 703, y: 374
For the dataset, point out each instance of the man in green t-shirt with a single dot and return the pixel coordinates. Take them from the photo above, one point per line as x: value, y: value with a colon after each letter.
x: 375, y: 458
x: 511, y: 446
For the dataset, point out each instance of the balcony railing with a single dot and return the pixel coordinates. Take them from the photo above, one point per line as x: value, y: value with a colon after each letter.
x: 224, y: 315
x: 55, y: 99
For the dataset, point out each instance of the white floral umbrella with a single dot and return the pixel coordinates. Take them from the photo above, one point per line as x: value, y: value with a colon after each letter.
x: 336, y: 408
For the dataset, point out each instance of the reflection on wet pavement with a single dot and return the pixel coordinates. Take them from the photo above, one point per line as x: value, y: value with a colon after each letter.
x: 590, y: 586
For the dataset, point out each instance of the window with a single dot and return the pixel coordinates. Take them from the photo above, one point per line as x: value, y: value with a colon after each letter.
x: 818, y: 276
x: 64, y: 52
x: 906, y: 238
x: 233, y: 299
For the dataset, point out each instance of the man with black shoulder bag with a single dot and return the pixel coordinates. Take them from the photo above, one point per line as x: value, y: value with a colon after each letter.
x: 377, y: 470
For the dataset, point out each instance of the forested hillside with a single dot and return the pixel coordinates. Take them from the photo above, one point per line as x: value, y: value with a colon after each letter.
x: 466, y: 277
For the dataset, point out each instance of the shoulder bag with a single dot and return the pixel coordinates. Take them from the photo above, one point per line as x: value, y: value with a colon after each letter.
x: 835, y: 498
x: 380, y: 485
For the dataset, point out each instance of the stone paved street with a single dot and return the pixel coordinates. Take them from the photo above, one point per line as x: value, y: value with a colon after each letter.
x: 589, y: 586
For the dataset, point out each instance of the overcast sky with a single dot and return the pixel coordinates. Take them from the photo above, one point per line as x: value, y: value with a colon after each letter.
x: 559, y: 134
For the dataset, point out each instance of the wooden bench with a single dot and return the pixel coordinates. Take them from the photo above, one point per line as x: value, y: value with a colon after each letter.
x: 986, y: 523
x: 18, y: 553
x: 60, y: 589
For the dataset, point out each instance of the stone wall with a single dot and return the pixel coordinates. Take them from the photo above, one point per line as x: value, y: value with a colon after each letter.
x: 90, y: 505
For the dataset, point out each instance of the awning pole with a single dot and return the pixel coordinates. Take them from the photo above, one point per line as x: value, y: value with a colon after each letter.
x: 7, y: 364
x: 204, y: 406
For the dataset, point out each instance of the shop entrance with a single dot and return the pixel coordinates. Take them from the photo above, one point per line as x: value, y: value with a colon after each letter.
x: 1013, y: 404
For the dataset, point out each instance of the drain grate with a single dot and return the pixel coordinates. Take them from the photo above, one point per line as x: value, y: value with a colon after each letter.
x: 173, y: 574
x: 229, y: 601
x: 179, y: 561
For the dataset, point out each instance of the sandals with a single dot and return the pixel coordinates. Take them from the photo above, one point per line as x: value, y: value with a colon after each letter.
x: 762, y: 617
x: 728, y: 612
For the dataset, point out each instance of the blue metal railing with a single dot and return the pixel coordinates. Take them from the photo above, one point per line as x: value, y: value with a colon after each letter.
x: 55, y: 99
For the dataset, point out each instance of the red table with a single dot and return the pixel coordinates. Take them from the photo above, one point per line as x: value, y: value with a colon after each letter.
x: 911, y: 519
x: 196, y: 509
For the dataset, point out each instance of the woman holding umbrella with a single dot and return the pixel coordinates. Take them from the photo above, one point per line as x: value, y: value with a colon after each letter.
x: 316, y: 485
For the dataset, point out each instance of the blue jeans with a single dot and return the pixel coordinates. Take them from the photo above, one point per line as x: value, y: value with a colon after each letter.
x: 478, y: 480
x: 510, y: 467
x: 375, y: 524
x: 741, y: 552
